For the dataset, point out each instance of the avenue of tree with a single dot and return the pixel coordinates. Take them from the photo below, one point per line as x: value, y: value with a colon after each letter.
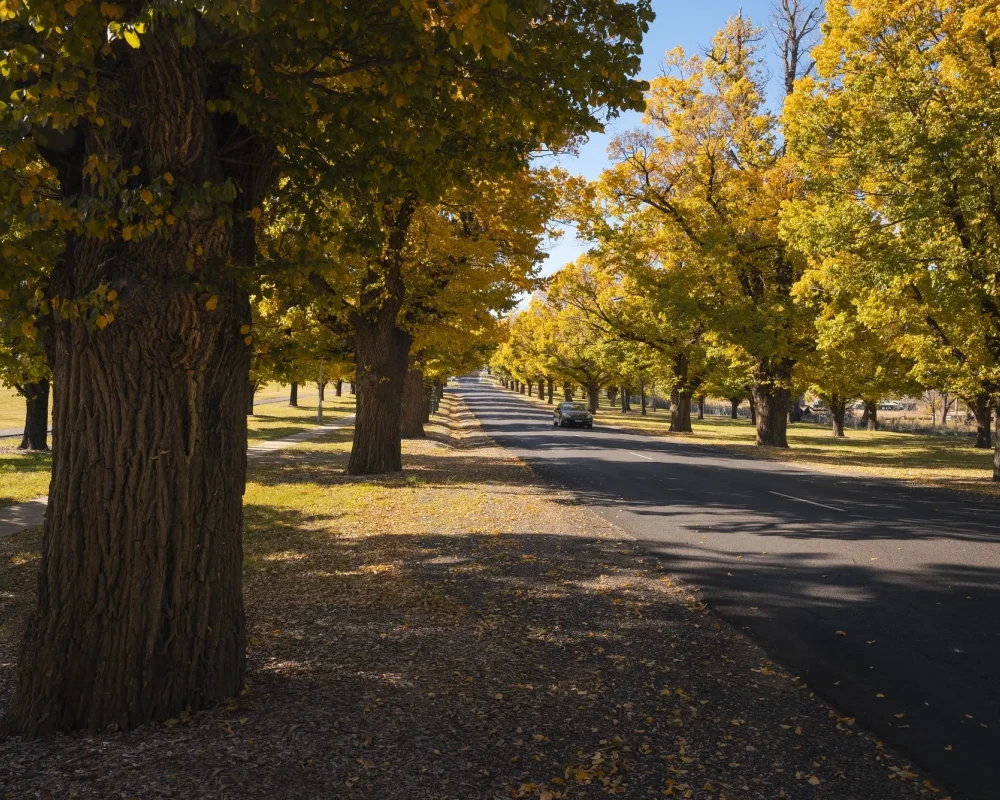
x: 202, y: 197
x: 846, y: 246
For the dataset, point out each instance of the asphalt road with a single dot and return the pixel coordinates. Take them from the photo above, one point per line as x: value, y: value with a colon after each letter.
x: 884, y: 598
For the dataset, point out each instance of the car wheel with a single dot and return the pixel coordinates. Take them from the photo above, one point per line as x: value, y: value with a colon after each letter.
x: 590, y: 426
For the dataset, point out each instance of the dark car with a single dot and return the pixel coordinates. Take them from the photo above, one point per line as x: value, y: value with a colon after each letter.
x: 572, y: 414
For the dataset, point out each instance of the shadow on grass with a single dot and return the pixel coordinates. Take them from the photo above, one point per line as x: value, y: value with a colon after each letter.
x: 23, y: 475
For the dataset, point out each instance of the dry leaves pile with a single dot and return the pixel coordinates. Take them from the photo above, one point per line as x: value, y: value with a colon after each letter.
x: 454, y: 632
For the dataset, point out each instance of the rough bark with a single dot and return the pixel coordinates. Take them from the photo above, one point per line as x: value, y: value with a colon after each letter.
x: 735, y: 403
x: 548, y: 385
x: 680, y: 397
x: 982, y: 408
x: 36, y: 416
x: 838, y: 407
x: 382, y: 352
x: 139, y: 610
x: 680, y: 410
x: 415, y: 404
x: 293, y: 395
x: 771, y: 400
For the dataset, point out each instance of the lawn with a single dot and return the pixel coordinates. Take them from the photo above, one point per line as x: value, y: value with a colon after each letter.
x: 12, y: 410
x: 26, y: 475
x: 945, y: 461
x: 456, y: 631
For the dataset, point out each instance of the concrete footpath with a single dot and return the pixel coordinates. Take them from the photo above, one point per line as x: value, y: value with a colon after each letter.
x: 20, y: 517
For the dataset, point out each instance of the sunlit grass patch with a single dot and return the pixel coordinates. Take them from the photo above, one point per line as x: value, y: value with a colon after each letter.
x: 945, y: 461
x: 23, y: 475
x: 278, y: 420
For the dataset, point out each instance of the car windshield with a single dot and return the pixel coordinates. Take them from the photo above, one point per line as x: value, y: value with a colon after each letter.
x: 574, y: 407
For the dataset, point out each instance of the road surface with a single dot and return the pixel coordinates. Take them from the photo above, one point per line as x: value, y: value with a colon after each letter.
x: 884, y: 598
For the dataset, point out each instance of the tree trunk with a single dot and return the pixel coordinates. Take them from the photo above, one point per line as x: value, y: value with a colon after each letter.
x: 680, y: 411
x: 382, y: 350
x: 382, y: 354
x: 838, y: 407
x: 753, y: 411
x: 548, y: 385
x: 531, y: 385
x: 982, y: 408
x: 945, y: 405
x: 869, y: 418
x: 771, y: 412
x: 613, y: 396
x: 293, y: 395
x: 771, y: 398
x: 427, y: 396
x: 594, y: 397
x: 354, y: 386
x: 252, y: 391
x: 321, y: 390
x: 626, y: 400
x: 735, y: 403
x: 567, y: 392
x: 701, y: 407
x: 996, y: 442
x: 338, y: 388
x: 415, y: 403
x: 36, y: 418
x: 642, y: 396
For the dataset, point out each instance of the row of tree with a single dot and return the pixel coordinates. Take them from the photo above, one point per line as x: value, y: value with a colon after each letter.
x: 197, y: 195
x: 847, y: 245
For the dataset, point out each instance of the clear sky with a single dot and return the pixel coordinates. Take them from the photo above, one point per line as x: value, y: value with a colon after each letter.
x: 688, y: 23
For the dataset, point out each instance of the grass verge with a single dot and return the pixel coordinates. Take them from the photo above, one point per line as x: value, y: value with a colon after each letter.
x: 948, y: 462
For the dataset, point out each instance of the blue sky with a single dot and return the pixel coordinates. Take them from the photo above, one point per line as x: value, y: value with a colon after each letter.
x: 689, y: 24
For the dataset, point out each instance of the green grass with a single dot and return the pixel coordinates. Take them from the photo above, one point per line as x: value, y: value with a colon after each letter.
x: 22, y: 475
x: 11, y: 409
x: 278, y: 420
x: 946, y: 461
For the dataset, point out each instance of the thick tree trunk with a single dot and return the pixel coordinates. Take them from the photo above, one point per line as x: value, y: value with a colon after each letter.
x: 753, y: 411
x: 415, y: 404
x: 567, y: 392
x: 548, y: 385
x: 251, y: 391
x: 382, y: 353
x: 771, y: 413
x: 701, y: 407
x: 594, y: 398
x: 680, y: 397
x: 338, y: 388
x: 996, y: 442
x: 613, y: 396
x: 626, y: 400
x: 530, y: 385
x: 680, y: 411
x: 354, y: 387
x: 982, y: 408
x: 642, y: 396
x: 869, y: 417
x: 36, y: 417
x: 735, y: 403
x: 771, y: 400
x: 293, y: 395
x: 838, y: 407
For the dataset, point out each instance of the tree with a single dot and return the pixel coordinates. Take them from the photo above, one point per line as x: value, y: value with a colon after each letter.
x: 155, y: 132
x: 717, y: 177
x: 897, y: 133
